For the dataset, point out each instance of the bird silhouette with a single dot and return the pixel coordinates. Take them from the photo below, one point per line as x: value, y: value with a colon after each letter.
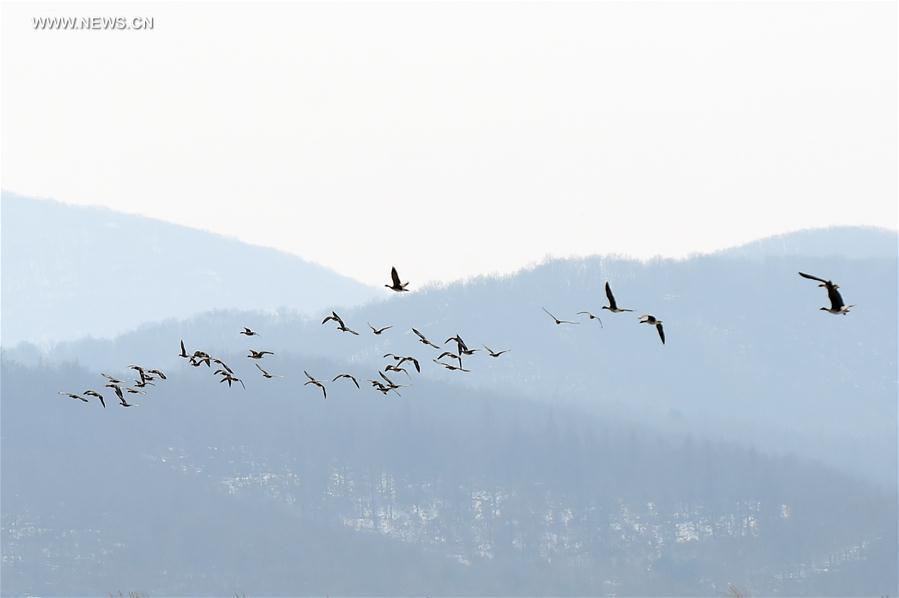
x: 316, y: 383
x: 423, y: 340
x: 378, y: 331
x: 592, y: 317
x: 396, y: 285
x: 653, y: 321
x: 265, y: 374
x: 557, y: 320
x: 347, y: 376
x: 837, y: 306
x: 613, y: 305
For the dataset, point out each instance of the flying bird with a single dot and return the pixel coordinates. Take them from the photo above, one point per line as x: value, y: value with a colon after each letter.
x: 378, y: 331
x: 592, y: 317
x: 258, y: 354
x: 451, y: 367
x: 390, y: 383
x: 396, y: 284
x: 449, y: 354
x: 94, y: 393
x: 493, y: 353
x: 247, y: 332
x: 72, y: 395
x: 348, y: 376
x: 413, y: 360
x: 226, y: 377
x: 224, y: 365
x: 340, y: 324
x: 557, y: 320
x: 423, y: 340
x: 157, y: 373
x: 316, y: 383
x: 613, y: 305
x: 265, y: 374
x: 837, y: 306
x: 117, y: 389
x: 653, y: 321
x: 397, y: 368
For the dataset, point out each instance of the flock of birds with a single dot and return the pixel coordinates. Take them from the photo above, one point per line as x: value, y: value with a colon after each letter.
x: 450, y: 360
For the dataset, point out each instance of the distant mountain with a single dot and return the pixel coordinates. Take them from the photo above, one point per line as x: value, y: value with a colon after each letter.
x: 856, y: 242
x: 70, y: 271
x: 204, y: 490
x: 756, y: 447
x: 749, y: 356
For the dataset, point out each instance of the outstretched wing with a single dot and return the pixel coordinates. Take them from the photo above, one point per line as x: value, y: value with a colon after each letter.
x: 610, y: 296
x: 311, y: 379
x: 395, y: 276
x: 661, y: 332
x: 810, y: 277
x: 419, y: 334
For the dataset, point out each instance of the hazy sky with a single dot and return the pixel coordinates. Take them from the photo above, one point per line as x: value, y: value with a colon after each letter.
x: 457, y: 139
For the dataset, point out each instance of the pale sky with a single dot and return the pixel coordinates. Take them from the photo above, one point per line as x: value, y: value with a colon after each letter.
x: 459, y: 139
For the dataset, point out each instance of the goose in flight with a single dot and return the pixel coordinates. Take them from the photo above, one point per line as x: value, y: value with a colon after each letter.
x: 348, y: 377
x: 423, y: 340
x: 224, y: 365
x: 451, y: 355
x: 94, y: 393
x: 340, y: 324
x: 397, y: 368
x: 199, y: 358
x: 72, y: 395
x: 613, y: 306
x: 335, y: 318
x: 117, y: 389
x: 265, y: 374
x: 557, y: 320
x: 493, y: 353
x: 378, y: 331
x: 390, y: 383
x: 382, y: 388
x: 247, y: 332
x: 226, y: 377
x: 592, y: 317
x: 396, y: 284
x: 141, y: 371
x: 258, y: 354
x: 413, y: 360
x: 837, y: 306
x: 316, y: 383
x: 451, y: 367
x: 183, y: 352
x: 157, y: 373
x: 653, y: 321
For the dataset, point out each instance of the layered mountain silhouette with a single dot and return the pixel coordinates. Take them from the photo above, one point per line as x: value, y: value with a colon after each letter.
x: 756, y: 447
x: 71, y: 271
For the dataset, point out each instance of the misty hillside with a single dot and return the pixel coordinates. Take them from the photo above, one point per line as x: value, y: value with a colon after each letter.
x: 857, y: 242
x: 756, y: 447
x: 749, y: 357
x: 446, y: 491
x: 71, y: 271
